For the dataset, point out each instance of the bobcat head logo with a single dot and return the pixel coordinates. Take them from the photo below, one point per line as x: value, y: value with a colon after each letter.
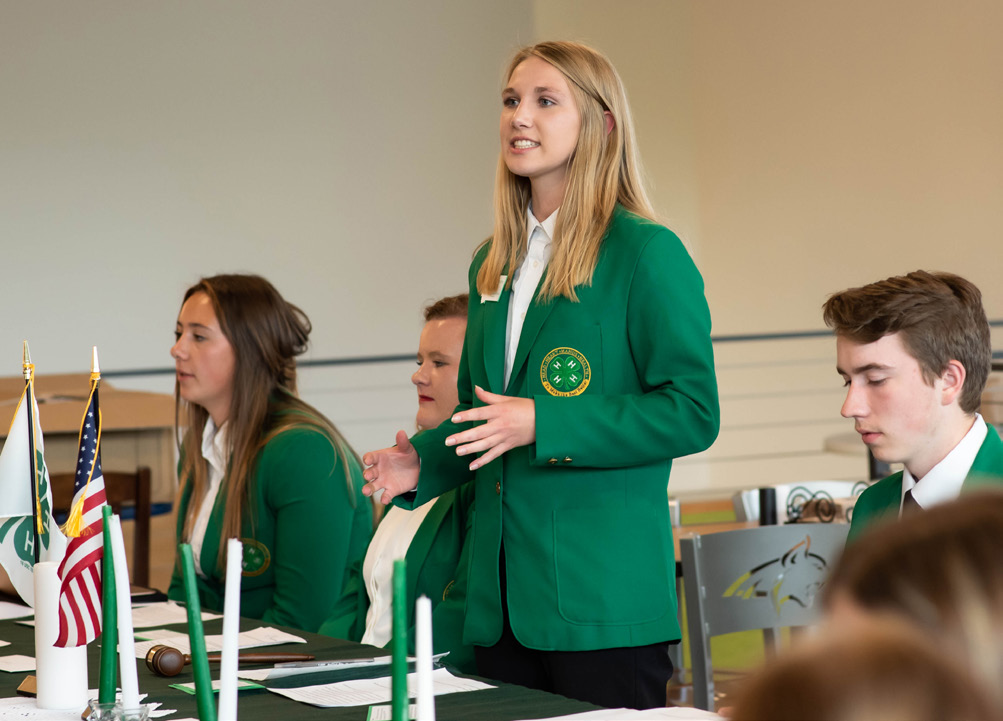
x: 795, y: 576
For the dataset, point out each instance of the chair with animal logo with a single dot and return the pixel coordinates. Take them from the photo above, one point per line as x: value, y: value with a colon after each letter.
x: 755, y: 578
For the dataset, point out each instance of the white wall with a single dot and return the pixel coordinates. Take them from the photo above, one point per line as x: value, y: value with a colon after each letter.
x: 801, y: 148
x: 346, y: 151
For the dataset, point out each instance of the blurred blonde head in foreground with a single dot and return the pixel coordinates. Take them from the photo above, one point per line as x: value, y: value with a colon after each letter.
x: 881, y: 670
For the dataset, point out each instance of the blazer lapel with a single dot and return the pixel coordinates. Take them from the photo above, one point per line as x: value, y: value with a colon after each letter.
x: 535, y: 317
x: 420, y: 547
x: 495, y: 318
x: 988, y: 464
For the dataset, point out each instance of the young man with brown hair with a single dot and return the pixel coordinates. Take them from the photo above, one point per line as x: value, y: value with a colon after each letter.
x: 914, y: 351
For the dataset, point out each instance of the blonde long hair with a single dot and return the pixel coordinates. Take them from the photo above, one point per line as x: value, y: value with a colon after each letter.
x: 604, y: 170
x: 266, y: 333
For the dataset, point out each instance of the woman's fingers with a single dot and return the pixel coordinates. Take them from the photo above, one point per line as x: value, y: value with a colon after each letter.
x: 391, y: 471
x: 508, y: 422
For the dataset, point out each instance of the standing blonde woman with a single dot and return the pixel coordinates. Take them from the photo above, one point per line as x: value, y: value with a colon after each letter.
x: 257, y: 463
x: 587, y: 367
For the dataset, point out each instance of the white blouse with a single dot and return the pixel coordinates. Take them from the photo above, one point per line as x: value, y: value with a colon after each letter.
x: 392, y: 539
x: 214, y: 451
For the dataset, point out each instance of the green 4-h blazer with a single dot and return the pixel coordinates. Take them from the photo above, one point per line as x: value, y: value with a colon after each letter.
x: 302, y: 529
x: 882, y: 501
x: 623, y: 382
x: 437, y: 561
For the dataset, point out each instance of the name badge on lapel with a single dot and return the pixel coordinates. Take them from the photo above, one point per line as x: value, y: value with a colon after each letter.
x: 493, y: 297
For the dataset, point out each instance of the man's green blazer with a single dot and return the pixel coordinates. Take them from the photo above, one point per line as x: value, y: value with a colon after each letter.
x: 437, y: 562
x: 883, y: 500
x: 623, y: 382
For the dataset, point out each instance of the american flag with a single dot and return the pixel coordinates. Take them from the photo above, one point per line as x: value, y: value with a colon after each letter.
x: 80, y: 571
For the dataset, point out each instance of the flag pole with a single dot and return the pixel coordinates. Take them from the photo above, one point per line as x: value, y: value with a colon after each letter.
x: 29, y: 377
x: 75, y: 519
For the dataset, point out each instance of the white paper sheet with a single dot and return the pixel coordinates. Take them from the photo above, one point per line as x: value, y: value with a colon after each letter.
x: 15, y: 663
x: 384, y: 712
x: 266, y: 674
x: 163, y: 613
x: 254, y: 638
x: 22, y: 707
x: 15, y: 610
x: 366, y: 692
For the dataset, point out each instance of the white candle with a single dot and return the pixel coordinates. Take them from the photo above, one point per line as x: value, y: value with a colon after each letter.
x: 60, y: 673
x: 126, y: 639
x: 423, y: 659
x: 231, y: 629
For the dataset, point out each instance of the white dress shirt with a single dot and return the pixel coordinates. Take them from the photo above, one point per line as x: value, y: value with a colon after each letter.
x: 392, y: 539
x: 943, y: 482
x: 527, y: 279
x: 215, y: 453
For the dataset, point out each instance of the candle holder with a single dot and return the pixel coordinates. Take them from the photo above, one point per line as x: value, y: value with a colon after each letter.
x: 140, y: 713
x: 97, y: 711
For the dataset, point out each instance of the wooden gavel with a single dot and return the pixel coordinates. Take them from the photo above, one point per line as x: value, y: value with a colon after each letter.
x: 169, y: 661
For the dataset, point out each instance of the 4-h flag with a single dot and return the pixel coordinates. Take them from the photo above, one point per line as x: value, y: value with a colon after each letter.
x: 80, y: 571
x: 17, y: 537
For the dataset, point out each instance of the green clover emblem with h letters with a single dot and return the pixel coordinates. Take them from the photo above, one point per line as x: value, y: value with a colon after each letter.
x: 256, y: 557
x: 565, y: 372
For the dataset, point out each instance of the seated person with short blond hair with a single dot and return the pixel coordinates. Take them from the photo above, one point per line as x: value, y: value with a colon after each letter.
x: 431, y: 538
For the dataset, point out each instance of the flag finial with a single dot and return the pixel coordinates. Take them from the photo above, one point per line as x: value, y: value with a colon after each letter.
x: 27, y: 362
x: 95, y: 368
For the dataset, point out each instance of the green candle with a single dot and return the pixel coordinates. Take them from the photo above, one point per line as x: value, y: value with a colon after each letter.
x: 398, y: 667
x: 109, y: 618
x: 200, y: 661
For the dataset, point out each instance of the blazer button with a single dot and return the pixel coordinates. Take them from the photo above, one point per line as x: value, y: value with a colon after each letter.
x: 567, y: 459
x: 552, y: 461
x: 498, y: 487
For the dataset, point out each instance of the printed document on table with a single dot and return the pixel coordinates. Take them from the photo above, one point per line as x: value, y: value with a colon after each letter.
x: 300, y: 669
x: 370, y: 691
x: 384, y: 712
x: 262, y: 636
x: 164, y: 613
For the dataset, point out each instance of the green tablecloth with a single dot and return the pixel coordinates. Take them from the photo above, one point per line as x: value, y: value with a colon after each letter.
x: 503, y: 703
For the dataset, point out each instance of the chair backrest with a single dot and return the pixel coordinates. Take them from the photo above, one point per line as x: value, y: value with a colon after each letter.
x: 754, y: 578
x: 792, y: 497
x: 122, y: 490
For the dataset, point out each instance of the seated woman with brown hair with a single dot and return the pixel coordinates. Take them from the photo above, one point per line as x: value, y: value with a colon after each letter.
x: 257, y: 462
x: 432, y: 538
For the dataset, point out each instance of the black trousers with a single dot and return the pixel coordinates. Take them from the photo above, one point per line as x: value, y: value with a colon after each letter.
x: 631, y: 677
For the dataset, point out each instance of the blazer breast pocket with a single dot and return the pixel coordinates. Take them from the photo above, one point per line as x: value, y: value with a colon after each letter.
x: 567, y: 361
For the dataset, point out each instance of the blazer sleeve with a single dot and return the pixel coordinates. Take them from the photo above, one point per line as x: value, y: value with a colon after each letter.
x: 347, y: 619
x: 676, y: 413
x: 448, y: 614
x: 314, y: 509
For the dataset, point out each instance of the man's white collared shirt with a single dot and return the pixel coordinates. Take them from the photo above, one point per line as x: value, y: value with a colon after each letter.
x: 944, y: 480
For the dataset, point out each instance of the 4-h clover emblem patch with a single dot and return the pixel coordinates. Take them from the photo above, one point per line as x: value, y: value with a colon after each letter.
x: 565, y: 372
x: 256, y: 558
